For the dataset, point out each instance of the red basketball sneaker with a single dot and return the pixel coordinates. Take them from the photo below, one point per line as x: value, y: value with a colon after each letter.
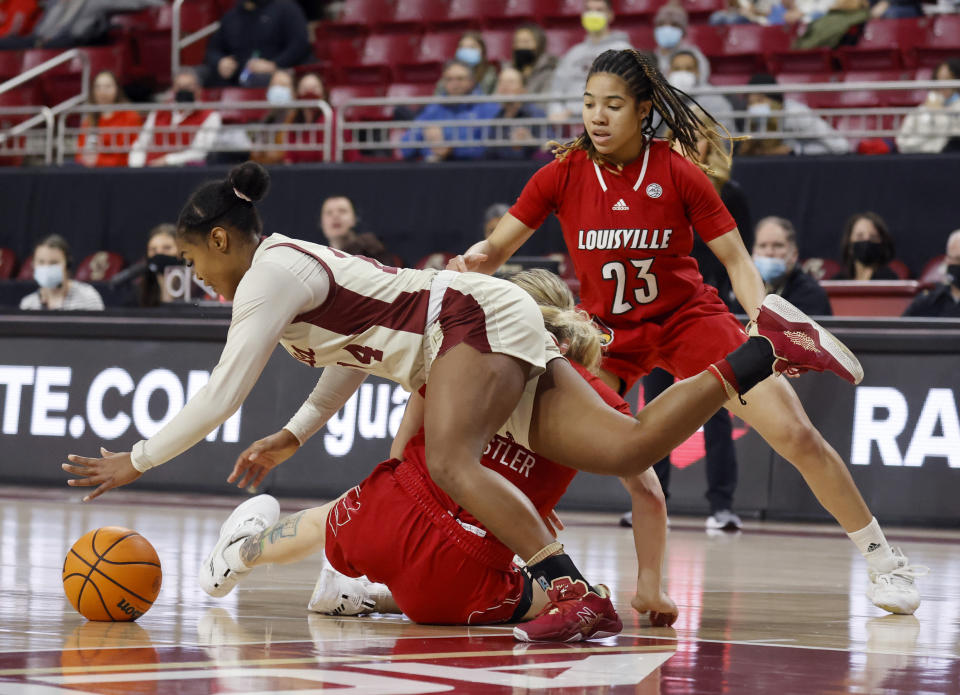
x: 800, y: 343
x: 574, y: 613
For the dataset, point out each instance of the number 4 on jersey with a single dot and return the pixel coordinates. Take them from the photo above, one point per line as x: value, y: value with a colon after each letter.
x: 617, y: 270
x: 364, y: 354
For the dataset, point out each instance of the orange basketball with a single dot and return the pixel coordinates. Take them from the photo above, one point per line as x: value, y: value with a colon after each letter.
x: 112, y: 573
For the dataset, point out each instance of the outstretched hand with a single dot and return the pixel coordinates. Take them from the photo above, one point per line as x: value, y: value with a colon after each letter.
x: 466, y: 262
x: 110, y: 471
x: 263, y: 456
x: 554, y: 522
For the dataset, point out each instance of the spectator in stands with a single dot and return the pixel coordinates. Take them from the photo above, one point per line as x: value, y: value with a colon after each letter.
x: 17, y: 17
x: 472, y: 51
x: 179, y: 136
x: 280, y: 94
x: 775, y: 254
x: 52, y: 264
x: 458, y: 81
x: 510, y: 83
x: 770, y: 112
x: 928, y: 129
x: 68, y: 23
x: 573, y: 66
x: 162, y: 252
x: 684, y: 74
x: 338, y: 223
x: 254, y: 39
x: 491, y: 217
x: 669, y: 33
x: 530, y: 57
x: 944, y: 299
x: 867, y: 249
x: 111, y: 129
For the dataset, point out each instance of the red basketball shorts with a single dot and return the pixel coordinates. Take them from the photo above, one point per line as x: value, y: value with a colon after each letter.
x: 391, y: 529
x: 684, y: 342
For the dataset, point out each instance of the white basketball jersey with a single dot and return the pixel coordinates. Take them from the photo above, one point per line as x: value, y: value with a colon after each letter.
x: 373, y: 319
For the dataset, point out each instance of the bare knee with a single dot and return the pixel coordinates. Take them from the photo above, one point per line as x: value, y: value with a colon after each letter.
x: 801, y: 444
x: 646, y: 489
x: 448, y: 469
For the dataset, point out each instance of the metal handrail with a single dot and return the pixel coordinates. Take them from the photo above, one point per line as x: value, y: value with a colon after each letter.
x: 177, y: 44
x: 322, y: 106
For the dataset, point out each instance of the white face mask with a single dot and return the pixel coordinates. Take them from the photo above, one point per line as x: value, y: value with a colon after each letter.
x: 279, y: 94
x: 683, y: 79
x: 761, y: 109
x: 48, y: 276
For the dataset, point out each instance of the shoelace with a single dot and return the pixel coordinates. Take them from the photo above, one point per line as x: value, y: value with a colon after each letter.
x: 908, y: 572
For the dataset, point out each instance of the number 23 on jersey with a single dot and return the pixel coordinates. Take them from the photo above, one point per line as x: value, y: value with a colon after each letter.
x: 622, y: 274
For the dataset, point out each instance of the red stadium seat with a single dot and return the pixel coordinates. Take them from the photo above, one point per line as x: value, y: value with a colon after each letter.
x: 700, y: 10
x: 400, y: 91
x: 746, y: 48
x: 25, y: 95
x: 339, y: 51
x: 884, y: 44
x: 26, y: 269
x: 235, y: 94
x: 65, y: 81
x: 435, y: 49
x: 942, y: 41
x: 8, y: 263
x: 934, y: 270
x: 499, y: 45
x: 709, y: 39
x: 380, y: 53
x: 640, y: 32
x: 359, y: 16
x: 339, y: 95
x: 561, y: 13
x: 510, y: 13
x: 99, y: 266
x: 414, y: 14
x: 470, y: 14
x: 559, y: 41
x: 10, y: 64
x: 729, y: 80
x: 905, y: 97
x: 152, y: 46
x: 899, y: 268
x: 638, y: 9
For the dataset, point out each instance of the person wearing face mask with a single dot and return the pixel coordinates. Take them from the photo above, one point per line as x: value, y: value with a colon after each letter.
x: 472, y: 52
x: 867, y: 249
x: 771, y: 112
x: 255, y: 38
x: 573, y: 66
x: 775, y: 254
x: 280, y: 95
x: 684, y: 74
x: 944, y: 299
x: 670, y: 34
x: 927, y: 130
x: 531, y: 59
x: 51, y: 270
x: 196, y: 130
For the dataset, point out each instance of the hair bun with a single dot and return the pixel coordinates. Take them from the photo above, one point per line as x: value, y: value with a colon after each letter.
x: 250, y: 179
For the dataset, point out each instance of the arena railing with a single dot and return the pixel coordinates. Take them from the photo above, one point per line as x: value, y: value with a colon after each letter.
x: 358, y: 133
x: 231, y: 137
x: 177, y: 43
x: 42, y: 115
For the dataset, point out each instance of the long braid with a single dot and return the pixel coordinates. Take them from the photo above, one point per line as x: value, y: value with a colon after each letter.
x: 672, y: 105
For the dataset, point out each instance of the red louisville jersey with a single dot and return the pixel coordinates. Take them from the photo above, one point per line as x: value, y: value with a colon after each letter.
x: 629, y: 233
x: 539, y: 478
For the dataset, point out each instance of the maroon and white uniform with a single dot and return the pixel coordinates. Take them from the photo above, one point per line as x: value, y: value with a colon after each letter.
x: 630, y: 236
x: 355, y: 317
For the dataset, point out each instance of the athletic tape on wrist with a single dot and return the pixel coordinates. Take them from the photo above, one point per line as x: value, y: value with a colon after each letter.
x: 554, y: 548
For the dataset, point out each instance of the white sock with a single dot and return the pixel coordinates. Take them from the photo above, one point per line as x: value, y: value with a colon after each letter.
x: 874, y: 547
x: 231, y: 554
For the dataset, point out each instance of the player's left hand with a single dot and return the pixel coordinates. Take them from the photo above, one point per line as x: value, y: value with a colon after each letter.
x: 663, y: 612
x: 466, y: 262
x: 110, y: 471
x: 554, y: 522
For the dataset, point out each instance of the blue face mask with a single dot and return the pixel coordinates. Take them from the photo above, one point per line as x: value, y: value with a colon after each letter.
x: 954, y: 98
x: 279, y: 94
x: 48, y: 276
x: 771, y: 269
x: 469, y: 55
x: 667, y: 35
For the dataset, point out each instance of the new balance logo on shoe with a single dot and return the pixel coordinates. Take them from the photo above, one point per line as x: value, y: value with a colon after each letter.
x: 620, y: 205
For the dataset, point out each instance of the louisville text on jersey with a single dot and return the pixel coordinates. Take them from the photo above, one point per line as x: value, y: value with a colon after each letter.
x: 612, y: 239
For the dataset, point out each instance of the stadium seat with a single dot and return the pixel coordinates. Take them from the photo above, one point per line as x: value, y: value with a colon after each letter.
x: 792, y: 60
x: 746, y: 48
x: 855, y: 99
x: 24, y: 95
x: 401, y: 91
x: 640, y: 32
x: 884, y: 44
x: 899, y: 268
x: 709, y: 39
x: 380, y: 53
x: 339, y: 51
x: 235, y: 94
x: 561, y: 13
x: 934, y: 270
x: 469, y: 14
x: 10, y: 64
x: 510, y: 13
x: 559, y: 41
x: 434, y: 50
x: 343, y: 93
x: 636, y: 9
x: 152, y: 46
x: 8, y: 263
x: 414, y: 14
x: 700, y: 10
x: 803, y: 78
x: 499, y: 45
x: 99, y: 266
x: 942, y: 41
x: 26, y: 269
x: 65, y: 81
x: 905, y: 97
x: 361, y: 16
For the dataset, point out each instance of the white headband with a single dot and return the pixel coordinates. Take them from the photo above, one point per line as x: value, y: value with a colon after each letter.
x: 241, y: 196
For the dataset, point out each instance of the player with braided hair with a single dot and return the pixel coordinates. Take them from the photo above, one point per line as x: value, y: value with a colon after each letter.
x: 628, y: 205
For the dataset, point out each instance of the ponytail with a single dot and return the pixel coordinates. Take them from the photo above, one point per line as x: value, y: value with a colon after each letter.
x: 228, y: 203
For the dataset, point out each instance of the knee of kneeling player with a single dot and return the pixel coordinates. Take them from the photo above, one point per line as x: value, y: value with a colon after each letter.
x: 447, y: 471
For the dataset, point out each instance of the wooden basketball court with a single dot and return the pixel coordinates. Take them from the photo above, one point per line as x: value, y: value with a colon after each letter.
x: 777, y: 609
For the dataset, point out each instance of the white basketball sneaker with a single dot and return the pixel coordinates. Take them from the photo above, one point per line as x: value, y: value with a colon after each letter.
x: 216, y: 576
x: 337, y: 594
x: 896, y: 591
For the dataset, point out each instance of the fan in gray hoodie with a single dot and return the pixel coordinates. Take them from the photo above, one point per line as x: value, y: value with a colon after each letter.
x: 571, y: 73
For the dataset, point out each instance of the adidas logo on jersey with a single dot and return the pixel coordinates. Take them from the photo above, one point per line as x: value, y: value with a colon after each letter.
x: 620, y: 205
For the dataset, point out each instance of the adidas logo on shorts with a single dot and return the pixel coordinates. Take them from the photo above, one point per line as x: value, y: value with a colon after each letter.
x: 620, y: 205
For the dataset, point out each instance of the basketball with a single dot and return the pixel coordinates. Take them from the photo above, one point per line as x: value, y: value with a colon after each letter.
x: 112, y: 574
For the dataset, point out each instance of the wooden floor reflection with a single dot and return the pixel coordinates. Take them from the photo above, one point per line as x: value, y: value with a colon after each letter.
x: 777, y: 609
